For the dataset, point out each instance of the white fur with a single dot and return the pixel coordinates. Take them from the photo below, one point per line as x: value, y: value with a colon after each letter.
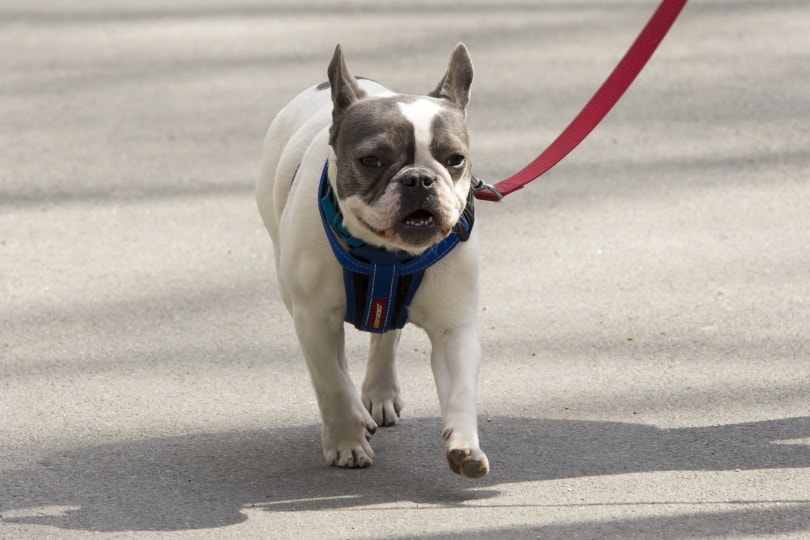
x: 310, y: 281
x: 421, y: 113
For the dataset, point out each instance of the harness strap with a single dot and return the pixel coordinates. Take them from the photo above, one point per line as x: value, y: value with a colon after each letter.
x: 380, y: 284
x: 377, y: 300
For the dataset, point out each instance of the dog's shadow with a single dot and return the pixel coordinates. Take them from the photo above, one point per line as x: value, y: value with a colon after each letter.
x: 206, y: 480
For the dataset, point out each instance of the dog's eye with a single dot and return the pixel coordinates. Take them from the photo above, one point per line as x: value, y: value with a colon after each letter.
x: 371, y: 162
x: 454, y: 161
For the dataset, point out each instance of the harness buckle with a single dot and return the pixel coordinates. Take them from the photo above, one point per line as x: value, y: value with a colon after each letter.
x: 480, y: 185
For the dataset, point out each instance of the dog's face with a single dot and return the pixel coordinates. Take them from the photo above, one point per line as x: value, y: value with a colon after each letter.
x: 403, y: 170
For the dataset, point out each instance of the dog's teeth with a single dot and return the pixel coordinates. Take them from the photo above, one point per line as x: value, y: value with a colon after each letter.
x: 419, y: 222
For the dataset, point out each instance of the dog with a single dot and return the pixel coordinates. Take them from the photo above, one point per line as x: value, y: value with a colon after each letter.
x: 356, y: 178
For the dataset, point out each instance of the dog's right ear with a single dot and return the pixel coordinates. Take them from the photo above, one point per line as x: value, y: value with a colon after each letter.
x: 345, y: 89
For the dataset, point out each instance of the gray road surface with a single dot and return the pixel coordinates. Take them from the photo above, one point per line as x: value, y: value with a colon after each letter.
x: 646, y: 308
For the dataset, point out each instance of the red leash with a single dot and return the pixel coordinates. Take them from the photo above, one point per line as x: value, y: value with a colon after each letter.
x: 595, y: 110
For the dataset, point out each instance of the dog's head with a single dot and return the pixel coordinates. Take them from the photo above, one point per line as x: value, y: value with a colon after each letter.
x: 403, y: 169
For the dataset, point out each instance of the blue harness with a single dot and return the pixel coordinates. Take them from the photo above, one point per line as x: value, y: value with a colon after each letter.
x: 381, y: 284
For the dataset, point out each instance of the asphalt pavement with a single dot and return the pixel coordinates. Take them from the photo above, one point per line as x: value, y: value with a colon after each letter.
x: 645, y: 314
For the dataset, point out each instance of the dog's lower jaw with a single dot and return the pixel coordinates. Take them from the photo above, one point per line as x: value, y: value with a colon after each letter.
x: 393, y: 240
x: 394, y: 233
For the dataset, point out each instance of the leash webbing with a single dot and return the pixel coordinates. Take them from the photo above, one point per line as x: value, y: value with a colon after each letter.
x: 595, y: 110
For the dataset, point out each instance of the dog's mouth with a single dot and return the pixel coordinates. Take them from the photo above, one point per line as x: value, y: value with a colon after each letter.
x: 418, y: 229
x: 421, y: 219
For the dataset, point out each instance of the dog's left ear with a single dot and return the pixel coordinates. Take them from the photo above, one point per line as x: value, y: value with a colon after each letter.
x: 455, y: 86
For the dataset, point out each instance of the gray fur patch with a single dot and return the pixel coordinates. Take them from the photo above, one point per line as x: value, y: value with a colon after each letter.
x: 372, y: 127
x: 449, y: 138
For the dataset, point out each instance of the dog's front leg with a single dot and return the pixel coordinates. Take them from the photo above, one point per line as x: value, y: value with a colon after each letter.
x: 456, y: 359
x: 347, y: 426
x: 381, y: 394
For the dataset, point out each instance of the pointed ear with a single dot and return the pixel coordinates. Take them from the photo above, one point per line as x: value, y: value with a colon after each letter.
x: 455, y: 86
x: 345, y: 89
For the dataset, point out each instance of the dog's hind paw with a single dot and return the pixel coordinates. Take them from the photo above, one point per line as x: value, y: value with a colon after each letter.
x: 468, y: 462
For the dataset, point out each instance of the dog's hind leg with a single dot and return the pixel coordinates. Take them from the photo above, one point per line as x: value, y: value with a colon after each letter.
x: 381, y: 394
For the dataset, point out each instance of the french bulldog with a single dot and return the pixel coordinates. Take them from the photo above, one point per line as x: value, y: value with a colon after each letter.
x: 399, y: 171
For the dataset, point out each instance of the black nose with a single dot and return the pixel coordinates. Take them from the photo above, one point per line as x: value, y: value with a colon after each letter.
x: 418, y: 178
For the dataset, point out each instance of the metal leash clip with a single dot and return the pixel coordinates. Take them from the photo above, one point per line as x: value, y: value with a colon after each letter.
x: 480, y: 185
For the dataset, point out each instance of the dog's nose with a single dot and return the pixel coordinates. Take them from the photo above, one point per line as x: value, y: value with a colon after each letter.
x: 421, y: 178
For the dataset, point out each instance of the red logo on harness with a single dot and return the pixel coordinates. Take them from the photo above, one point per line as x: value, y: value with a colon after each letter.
x: 378, y: 312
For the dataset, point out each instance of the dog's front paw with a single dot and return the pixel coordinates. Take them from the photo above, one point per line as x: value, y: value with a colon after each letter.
x: 469, y: 462
x: 348, y: 446
x: 350, y: 456
x: 465, y: 459
x: 384, y: 406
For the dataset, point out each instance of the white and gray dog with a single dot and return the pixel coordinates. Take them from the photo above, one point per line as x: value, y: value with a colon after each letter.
x: 366, y: 194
